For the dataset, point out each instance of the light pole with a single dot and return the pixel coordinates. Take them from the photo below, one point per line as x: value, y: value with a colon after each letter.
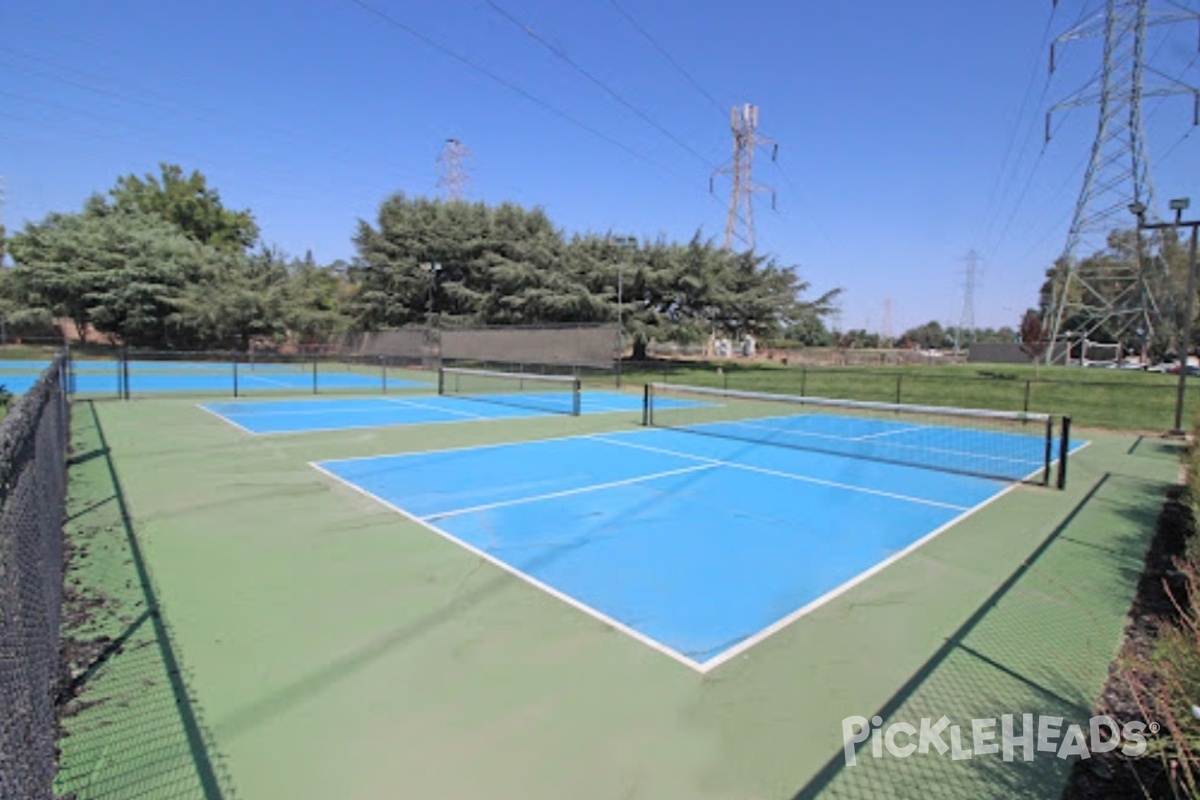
x: 624, y: 243
x: 433, y: 269
x: 1185, y: 330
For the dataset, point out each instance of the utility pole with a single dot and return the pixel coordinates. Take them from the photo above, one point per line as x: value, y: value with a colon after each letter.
x: 1113, y: 300
x: 739, y: 222
x: 1185, y: 328
x: 454, y: 178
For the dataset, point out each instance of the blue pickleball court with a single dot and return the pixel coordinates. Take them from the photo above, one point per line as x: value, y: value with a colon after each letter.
x: 308, y: 416
x: 696, y: 545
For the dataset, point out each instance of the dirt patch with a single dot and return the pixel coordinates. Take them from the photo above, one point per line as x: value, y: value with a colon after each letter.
x: 1111, y: 775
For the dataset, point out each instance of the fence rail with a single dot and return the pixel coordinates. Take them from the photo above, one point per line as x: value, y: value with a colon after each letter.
x: 33, y: 450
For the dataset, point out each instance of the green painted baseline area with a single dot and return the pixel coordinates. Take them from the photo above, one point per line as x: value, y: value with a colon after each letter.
x: 278, y: 635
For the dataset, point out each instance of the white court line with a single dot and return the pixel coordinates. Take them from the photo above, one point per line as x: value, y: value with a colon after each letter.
x: 268, y: 380
x: 467, y: 414
x: 461, y: 448
x: 305, y: 412
x: 887, y: 433
x: 788, y: 475
x: 837, y: 591
x: 568, y: 492
x: 224, y: 418
x: 529, y: 579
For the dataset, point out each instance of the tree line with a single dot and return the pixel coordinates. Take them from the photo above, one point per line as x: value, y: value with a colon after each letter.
x: 160, y: 262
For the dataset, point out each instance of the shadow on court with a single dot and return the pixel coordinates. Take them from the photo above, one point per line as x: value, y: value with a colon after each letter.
x: 130, y: 728
x: 1045, y: 632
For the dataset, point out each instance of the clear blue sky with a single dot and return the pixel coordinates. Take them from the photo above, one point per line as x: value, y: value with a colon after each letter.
x: 909, y: 132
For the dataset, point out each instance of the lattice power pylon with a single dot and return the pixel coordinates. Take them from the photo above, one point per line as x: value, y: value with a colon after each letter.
x: 454, y: 179
x: 739, y: 224
x: 1112, y: 300
x: 966, y: 320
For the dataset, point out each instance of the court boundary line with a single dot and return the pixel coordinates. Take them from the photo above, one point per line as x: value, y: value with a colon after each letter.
x: 522, y: 576
x: 785, y: 622
x: 403, y: 401
x: 225, y: 419
x: 457, y: 448
x: 308, y: 412
x: 361, y: 427
x: 788, y: 475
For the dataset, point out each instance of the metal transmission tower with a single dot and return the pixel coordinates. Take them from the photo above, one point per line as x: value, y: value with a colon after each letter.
x: 966, y: 320
x: 1112, y: 299
x: 453, y: 182
x: 739, y: 224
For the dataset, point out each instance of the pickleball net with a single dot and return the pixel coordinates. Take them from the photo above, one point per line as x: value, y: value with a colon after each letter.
x: 1007, y: 445
x: 556, y: 394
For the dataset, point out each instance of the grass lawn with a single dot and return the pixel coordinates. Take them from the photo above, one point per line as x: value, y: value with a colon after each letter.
x: 1098, y: 398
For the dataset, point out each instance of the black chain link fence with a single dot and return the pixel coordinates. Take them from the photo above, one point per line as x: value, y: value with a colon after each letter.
x: 33, y: 451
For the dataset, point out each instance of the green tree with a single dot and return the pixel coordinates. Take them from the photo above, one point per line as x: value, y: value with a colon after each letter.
x: 312, y: 308
x: 930, y: 336
x: 510, y: 265
x: 237, y: 299
x: 119, y: 270
x: 188, y: 203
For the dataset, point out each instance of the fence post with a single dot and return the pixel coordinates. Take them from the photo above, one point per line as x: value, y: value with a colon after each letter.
x: 1025, y: 408
x: 803, y: 379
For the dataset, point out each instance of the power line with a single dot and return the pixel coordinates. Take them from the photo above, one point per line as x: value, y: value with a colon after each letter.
x: 662, y: 51
x: 512, y: 87
x: 1033, y: 73
x: 561, y: 55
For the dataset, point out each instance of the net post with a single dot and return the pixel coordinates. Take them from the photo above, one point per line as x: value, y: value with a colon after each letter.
x: 1064, y: 448
x: 1048, y: 458
x: 314, y: 374
x: 123, y: 374
x: 383, y: 364
x: 441, y: 379
x: 646, y: 392
x: 899, y: 381
x: 235, y: 375
x: 1028, y: 386
x: 68, y: 368
x: 576, y: 397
